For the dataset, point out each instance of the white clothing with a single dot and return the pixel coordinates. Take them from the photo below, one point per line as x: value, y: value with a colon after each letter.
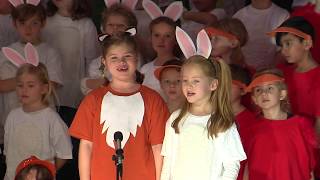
x: 193, y: 28
x: 47, y: 55
x: 191, y: 154
x: 260, y: 51
x: 8, y: 33
x: 78, y: 44
x: 233, y: 6
x: 41, y: 133
x: 149, y: 79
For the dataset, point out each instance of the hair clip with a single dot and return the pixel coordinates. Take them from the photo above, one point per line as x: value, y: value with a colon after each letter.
x: 188, y: 48
x: 131, y: 4
x: 131, y: 31
x: 173, y: 11
x: 31, y: 55
x: 16, y: 3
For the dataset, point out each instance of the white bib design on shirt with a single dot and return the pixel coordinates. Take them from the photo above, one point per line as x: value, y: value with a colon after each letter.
x: 121, y: 113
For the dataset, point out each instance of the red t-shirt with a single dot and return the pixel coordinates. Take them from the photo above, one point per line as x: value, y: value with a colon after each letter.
x: 138, y: 157
x: 303, y: 90
x: 309, y: 13
x: 281, y: 149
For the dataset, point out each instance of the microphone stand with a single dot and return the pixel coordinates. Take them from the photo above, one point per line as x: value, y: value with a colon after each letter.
x: 118, y: 159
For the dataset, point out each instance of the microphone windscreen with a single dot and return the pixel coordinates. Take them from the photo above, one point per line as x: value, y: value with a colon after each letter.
x: 118, y: 136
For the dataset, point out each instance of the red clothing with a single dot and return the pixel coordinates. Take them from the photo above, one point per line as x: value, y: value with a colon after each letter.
x: 245, y: 120
x: 281, y: 149
x: 309, y: 13
x: 304, y: 90
x: 138, y: 157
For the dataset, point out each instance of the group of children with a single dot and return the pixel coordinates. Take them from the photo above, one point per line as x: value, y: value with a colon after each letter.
x: 223, y: 123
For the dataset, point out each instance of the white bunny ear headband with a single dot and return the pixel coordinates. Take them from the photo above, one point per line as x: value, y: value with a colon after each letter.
x: 16, y: 3
x: 173, y: 11
x: 131, y: 4
x: 187, y: 47
x: 31, y: 55
x: 131, y: 31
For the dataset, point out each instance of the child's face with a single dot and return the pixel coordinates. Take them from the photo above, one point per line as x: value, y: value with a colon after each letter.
x: 32, y: 175
x: 170, y: 83
x: 221, y: 46
x: 121, y: 62
x: 204, y: 5
x: 63, y: 4
x: 268, y: 96
x: 30, y: 90
x: 30, y: 29
x: 114, y: 24
x: 163, y: 38
x: 293, y: 49
x: 196, y: 86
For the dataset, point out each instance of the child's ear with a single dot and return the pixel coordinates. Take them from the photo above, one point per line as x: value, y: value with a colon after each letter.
x: 214, y: 84
x: 254, y: 99
x: 234, y: 43
x: 307, y: 44
x: 242, y: 92
x: 283, y: 94
x: 44, y: 22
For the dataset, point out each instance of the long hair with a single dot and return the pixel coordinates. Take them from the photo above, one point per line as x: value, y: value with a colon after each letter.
x: 222, y: 116
x: 41, y: 73
x: 80, y: 9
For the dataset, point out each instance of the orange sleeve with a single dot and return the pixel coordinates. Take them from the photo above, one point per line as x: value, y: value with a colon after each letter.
x: 82, y: 125
x: 157, y: 113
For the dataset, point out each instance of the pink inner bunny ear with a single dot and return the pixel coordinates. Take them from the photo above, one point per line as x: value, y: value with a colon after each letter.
x: 185, y: 43
x: 131, y: 4
x: 33, y: 2
x: 13, y: 56
x: 16, y: 3
x: 102, y: 37
x: 109, y: 3
x: 132, y: 31
x: 31, y: 54
x: 152, y: 9
x: 174, y: 10
x: 203, y: 44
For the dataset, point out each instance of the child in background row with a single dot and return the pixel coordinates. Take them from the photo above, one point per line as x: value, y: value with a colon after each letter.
x: 169, y: 77
x: 116, y: 18
x: 28, y: 20
x: 163, y: 40
x: 35, y: 169
x: 126, y: 106
x: 34, y: 128
x: 8, y: 34
x: 201, y: 140
x: 71, y: 31
x: 281, y: 145
x: 259, y: 18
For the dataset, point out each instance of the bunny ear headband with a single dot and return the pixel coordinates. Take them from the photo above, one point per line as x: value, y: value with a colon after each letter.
x: 187, y: 46
x: 131, y: 31
x: 131, y: 4
x: 31, y: 55
x: 173, y: 11
x: 16, y: 3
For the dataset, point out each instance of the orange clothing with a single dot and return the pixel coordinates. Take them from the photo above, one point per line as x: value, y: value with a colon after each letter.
x: 138, y: 157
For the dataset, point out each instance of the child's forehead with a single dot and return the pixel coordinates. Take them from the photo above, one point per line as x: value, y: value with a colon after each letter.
x: 289, y: 36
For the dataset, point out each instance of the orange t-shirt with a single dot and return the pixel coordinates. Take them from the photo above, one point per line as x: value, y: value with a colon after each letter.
x: 138, y: 157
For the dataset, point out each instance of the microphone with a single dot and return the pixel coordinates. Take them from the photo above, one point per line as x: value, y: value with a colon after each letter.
x: 117, y: 138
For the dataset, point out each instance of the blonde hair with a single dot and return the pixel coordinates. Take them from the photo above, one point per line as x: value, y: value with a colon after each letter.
x: 235, y: 27
x: 222, y: 118
x: 284, y: 103
x: 41, y: 73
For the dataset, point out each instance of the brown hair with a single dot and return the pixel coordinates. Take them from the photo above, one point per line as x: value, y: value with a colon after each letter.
x: 284, y: 103
x: 222, y: 117
x: 25, y: 11
x: 120, y: 10
x: 235, y: 27
x: 41, y: 73
x: 42, y: 173
x: 80, y: 9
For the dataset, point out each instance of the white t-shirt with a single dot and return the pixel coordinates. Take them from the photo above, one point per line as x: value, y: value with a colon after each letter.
x: 260, y: 51
x: 8, y: 33
x: 41, y: 133
x: 193, y: 28
x: 191, y: 154
x: 47, y: 55
x: 77, y: 41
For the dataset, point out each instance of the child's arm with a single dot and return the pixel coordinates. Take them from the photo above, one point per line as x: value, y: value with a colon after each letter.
x: 205, y: 18
x: 318, y: 126
x: 59, y: 162
x: 7, y: 85
x: 85, y: 150
x: 246, y: 173
x: 156, y: 149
